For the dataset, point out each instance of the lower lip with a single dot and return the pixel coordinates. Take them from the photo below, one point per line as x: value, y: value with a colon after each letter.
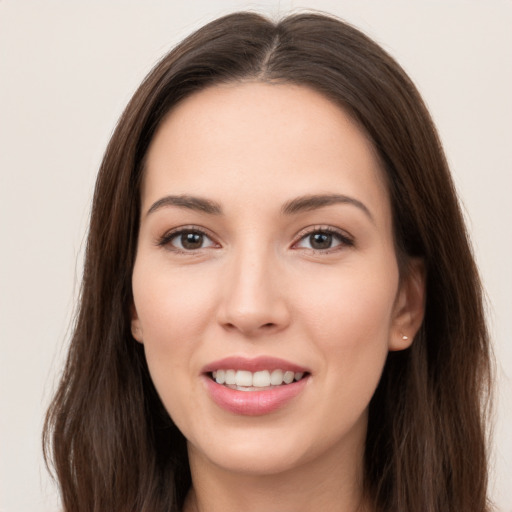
x: 253, y: 403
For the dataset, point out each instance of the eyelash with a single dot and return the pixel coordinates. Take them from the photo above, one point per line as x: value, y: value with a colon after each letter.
x: 167, y: 238
x: 343, y: 238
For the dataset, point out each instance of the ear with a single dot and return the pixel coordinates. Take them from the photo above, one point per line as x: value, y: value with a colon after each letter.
x: 135, y: 324
x: 409, y: 308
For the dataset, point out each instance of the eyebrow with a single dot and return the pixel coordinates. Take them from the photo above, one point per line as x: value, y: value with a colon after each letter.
x: 294, y: 206
x: 314, y: 202
x: 198, y: 204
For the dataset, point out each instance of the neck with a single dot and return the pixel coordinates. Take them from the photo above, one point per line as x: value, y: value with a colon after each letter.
x: 331, y: 484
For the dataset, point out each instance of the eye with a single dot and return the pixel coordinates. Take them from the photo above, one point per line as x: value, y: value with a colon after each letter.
x: 323, y: 240
x: 187, y: 240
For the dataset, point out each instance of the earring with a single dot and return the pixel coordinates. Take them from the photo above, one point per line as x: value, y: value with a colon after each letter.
x: 404, y: 337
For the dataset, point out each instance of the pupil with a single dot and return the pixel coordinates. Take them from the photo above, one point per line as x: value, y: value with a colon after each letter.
x: 321, y: 240
x: 191, y: 240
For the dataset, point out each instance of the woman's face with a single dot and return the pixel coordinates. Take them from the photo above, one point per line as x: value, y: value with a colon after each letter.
x: 266, y: 253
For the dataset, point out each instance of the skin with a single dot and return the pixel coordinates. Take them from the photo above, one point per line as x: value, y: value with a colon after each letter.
x: 258, y: 285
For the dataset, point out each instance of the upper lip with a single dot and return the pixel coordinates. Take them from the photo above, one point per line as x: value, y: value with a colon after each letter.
x: 253, y: 364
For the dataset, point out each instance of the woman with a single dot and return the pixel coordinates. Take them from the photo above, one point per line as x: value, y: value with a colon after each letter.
x: 280, y: 309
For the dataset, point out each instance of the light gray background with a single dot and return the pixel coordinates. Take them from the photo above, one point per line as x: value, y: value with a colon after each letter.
x: 66, y: 72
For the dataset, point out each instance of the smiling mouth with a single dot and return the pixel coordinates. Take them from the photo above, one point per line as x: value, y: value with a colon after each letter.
x: 244, y: 380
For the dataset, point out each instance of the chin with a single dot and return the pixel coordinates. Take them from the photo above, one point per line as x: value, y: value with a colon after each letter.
x: 264, y: 451
x: 251, y: 454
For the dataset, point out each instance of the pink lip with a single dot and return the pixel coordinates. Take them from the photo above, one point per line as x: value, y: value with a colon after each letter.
x: 253, y: 403
x: 253, y: 365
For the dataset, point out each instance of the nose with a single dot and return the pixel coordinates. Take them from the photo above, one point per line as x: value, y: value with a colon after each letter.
x: 254, y: 301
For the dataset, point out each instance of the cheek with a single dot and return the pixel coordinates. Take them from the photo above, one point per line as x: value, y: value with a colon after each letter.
x: 348, y: 320
x: 349, y: 316
x: 173, y: 309
x: 352, y: 303
x: 170, y: 304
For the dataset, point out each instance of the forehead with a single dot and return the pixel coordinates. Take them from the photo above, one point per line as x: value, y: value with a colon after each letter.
x: 259, y: 140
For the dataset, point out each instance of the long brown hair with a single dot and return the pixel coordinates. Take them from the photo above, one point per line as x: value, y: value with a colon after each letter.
x: 112, y: 443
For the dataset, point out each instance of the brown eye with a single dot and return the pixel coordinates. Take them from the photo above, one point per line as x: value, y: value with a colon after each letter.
x: 320, y: 241
x: 187, y: 240
x: 323, y: 240
x: 191, y: 241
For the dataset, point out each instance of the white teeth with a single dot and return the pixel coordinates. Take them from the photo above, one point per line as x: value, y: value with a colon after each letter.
x: 220, y: 377
x: 288, y: 377
x: 243, y: 378
x: 261, y: 379
x: 230, y: 377
x: 276, y: 377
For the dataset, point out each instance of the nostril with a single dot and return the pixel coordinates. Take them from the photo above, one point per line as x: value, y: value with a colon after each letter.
x: 230, y: 326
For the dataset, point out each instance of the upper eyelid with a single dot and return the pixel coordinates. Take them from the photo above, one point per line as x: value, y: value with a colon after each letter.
x: 186, y: 228
x: 321, y: 228
x: 172, y: 233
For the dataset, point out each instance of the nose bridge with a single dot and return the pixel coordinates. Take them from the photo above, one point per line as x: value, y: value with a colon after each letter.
x: 253, y: 301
